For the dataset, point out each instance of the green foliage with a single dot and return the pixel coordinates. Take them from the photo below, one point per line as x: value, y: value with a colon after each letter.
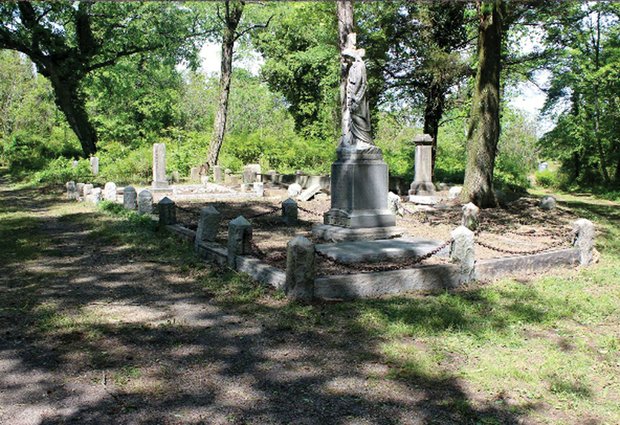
x: 547, y: 178
x: 61, y: 170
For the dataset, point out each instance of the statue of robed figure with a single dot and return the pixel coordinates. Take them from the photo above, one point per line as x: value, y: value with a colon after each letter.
x: 356, y: 132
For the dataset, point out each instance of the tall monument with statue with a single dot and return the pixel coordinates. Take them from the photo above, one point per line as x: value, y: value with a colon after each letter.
x: 359, y: 177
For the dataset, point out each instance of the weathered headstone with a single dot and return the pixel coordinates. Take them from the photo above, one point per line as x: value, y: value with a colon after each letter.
x: 176, y: 177
x: 250, y: 173
x: 584, y: 240
x: 422, y: 184
x: 167, y: 211
x: 289, y: 212
x: 471, y: 216
x: 88, y: 188
x: 394, y: 204
x: 94, y: 196
x: 454, y: 192
x: 543, y: 166
x: 94, y: 165
x: 80, y: 188
x: 272, y: 175
x: 204, y: 180
x: 145, y: 202
x: 159, y: 166
x: 259, y: 188
x: 462, y: 253
x: 239, y: 239
x: 233, y: 180
x: 309, y: 193
x: 130, y: 198
x: 194, y: 174
x: 300, y: 269
x: 72, y: 192
x: 218, y: 175
x: 208, y: 224
x: 75, y: 163
x: 294, y: 190
x: 548, y: 203
x: 109, y: 192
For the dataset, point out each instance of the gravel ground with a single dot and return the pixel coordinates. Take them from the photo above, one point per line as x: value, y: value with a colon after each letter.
x: 520, y: 226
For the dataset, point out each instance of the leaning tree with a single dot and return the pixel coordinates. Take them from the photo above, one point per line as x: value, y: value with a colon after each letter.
x: 67, y: 40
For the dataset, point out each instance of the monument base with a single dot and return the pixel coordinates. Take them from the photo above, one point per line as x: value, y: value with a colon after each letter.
x: 159, y: 186
x: 359, y: 188
x: 331, y: 233
x: 422, y: 189
x: 424, y: 199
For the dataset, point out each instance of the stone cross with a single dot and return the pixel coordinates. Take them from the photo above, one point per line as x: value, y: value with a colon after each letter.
x: 145, y: 202
x: 167, y: 211
x: 208, y: 225
x: 129, y: 198
x: 300, y: 269
x: 423, y: 181
x: 239, y: 239
x: 159, y: 166
x: 462, y: 253
x: 109, y: 192
x: 289, y: 212
x: 94, y: 165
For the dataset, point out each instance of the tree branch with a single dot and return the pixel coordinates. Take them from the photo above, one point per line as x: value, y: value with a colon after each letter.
x: 238, y: 35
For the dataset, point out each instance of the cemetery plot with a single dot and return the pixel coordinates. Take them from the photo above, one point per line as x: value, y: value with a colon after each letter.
x: 521, y: 228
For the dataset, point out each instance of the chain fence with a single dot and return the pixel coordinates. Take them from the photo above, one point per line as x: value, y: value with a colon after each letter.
x: 564, y: 238
x: 314, y: 213
x: 406, y: 263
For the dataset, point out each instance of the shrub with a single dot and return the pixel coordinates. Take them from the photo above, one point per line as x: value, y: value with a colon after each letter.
x: 547, y: 178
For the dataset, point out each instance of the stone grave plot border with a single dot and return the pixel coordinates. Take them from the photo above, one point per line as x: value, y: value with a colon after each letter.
x: 301, y: 281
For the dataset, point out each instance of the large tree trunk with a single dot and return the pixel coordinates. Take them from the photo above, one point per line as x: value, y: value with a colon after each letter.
x: 433, y: 111
x: 234, y: 10
x: 344, y: 13
x: 484, y: 128
x: 72, y: 103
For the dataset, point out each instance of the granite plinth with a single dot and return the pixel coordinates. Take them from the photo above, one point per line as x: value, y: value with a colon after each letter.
x: 359, y: 187
x: 351, y: 252
x: 331, y: 233
x: 423, y: 199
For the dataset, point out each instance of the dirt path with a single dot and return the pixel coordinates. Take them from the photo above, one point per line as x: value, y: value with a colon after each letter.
x: 100, y: 325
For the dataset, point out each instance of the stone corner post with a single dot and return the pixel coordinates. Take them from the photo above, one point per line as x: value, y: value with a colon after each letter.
x: 471, y: 216
x: 462, y: 253
x: 300, y: 269
x: 239, y: 239
x: 584, y: 240
x: 289, y: 212
x: 167, y: 211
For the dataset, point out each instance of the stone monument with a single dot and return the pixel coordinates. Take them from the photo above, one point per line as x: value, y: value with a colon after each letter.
x: 422, y: 190
x: 94, y: 165
x: 159, y: 167
x: 359, y: 177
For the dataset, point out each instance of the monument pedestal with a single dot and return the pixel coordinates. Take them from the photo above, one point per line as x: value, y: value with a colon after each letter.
x: 422, y: 189
x: 359, y: 188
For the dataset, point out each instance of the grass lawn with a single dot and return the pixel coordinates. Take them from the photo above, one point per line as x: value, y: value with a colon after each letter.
x: 545, y: 350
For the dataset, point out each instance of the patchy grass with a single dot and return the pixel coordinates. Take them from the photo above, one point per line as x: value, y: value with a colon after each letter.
x: 545, y: 350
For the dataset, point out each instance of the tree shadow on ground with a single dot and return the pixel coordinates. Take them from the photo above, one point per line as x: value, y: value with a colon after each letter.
x: 101, y: 326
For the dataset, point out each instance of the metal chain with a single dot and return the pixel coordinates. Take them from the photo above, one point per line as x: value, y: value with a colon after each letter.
x: 400, y: 266
x: 529, y: 252
x: 314, y: 213
x: 187, y: 210
x: 266, y: 213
